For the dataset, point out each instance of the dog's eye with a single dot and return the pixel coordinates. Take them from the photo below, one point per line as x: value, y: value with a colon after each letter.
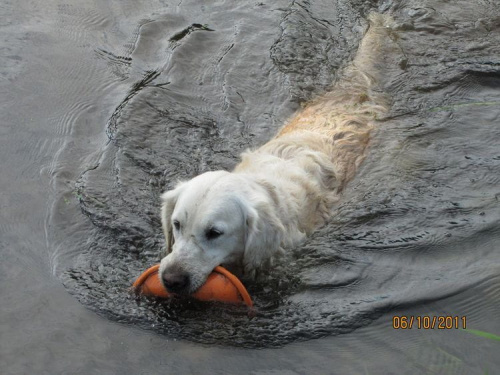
x: 177, y: 225
x: 213, y: 233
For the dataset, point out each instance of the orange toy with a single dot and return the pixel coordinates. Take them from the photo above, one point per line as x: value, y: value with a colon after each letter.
x: 221, y: 285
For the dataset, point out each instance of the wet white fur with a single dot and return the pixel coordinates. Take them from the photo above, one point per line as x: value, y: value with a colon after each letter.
x: 285, y: 189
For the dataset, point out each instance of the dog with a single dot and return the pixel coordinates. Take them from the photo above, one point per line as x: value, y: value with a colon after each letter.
x: 281, y: 192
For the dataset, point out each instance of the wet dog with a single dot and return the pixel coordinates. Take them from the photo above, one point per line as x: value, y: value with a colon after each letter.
x: 280, y: 192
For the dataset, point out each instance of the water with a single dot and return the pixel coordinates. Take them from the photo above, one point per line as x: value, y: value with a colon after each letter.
x: 110, y: 103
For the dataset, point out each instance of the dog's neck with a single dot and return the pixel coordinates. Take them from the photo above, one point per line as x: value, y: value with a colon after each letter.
x: 299, y: 182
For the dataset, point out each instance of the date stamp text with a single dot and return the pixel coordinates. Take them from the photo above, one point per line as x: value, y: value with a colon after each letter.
x: 429, y: 322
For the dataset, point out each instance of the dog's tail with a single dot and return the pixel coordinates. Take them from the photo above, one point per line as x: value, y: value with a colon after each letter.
x: 372, y: 61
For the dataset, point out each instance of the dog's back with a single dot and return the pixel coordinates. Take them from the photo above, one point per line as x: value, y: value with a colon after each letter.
x: 322, y: 146
x: 344, y: 117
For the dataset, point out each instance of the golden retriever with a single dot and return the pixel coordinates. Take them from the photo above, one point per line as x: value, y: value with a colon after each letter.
x: 280, y: 192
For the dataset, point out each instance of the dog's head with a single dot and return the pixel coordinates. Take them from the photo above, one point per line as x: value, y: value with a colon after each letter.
x: 216, y: 218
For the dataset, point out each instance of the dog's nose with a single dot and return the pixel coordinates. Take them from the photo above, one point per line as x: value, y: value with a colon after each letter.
x: 175, y: 282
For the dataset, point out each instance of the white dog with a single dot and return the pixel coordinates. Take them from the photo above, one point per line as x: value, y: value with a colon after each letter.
x: 280, y: 192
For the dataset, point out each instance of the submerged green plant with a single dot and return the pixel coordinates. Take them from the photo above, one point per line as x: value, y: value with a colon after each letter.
x: 487, y: 335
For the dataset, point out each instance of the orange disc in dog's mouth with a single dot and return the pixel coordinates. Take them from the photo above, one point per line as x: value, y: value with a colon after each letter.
x: 221, y: 285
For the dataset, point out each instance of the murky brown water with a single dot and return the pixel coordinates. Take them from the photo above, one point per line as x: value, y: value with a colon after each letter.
x: 109, y: 103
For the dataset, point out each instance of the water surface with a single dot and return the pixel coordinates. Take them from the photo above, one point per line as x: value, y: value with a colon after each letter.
x: 110, y: 103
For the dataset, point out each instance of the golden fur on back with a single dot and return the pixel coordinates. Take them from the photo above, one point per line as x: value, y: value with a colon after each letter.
x: 322, y: 146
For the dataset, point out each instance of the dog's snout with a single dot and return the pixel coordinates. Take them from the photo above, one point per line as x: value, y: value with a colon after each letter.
x: 175, y: 282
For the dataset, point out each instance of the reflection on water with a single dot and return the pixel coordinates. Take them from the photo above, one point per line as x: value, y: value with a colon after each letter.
x: 418, y: 223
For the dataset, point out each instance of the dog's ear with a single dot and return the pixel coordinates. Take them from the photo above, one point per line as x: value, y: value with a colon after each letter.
x: 264, y: 234
x: 169, y: 199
